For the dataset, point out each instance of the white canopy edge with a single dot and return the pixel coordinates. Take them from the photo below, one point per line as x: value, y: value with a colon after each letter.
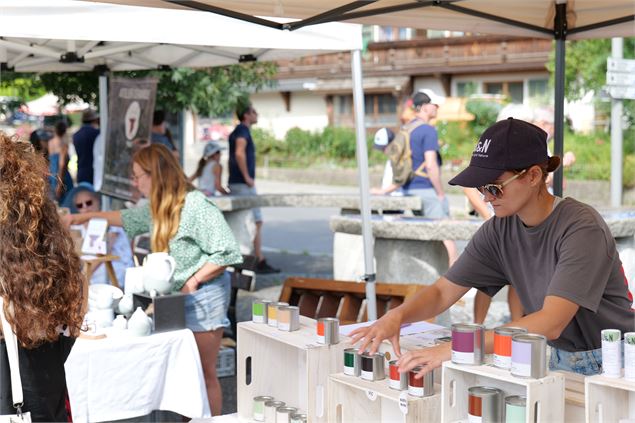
x: 35, y: 33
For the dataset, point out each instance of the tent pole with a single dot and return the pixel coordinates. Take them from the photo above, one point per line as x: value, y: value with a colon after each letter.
x: 103, y: 130
x: 560, y: 25
x: 617, y: 46
x: 364, y: 185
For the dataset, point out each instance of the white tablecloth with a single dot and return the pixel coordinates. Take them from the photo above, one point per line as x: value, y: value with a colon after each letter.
x: 119, y: 378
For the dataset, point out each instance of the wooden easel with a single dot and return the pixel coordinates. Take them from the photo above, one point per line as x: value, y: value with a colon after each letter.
x: 91, y: 264
x: 345, y: 300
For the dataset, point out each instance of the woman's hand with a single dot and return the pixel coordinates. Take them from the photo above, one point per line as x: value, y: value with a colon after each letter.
x: 428, y: 358
x: 191, y: 285
x: 387, y: 327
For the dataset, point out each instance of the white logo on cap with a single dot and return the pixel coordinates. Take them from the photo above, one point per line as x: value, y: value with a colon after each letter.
x: 482, y: 147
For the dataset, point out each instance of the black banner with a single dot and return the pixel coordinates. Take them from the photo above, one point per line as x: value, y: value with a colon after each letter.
x: 130, y: 109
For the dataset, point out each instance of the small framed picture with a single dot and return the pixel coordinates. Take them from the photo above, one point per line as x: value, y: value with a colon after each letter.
x: 95, y: 237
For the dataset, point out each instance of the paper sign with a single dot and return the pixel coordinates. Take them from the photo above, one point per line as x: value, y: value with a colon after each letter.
x: 95, y: 237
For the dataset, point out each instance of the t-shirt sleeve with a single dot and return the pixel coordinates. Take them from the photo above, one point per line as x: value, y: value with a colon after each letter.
x: 213, y: 235
x: 479, y: 265
x: 430, y: 140
x: 585, y: 261
x: 137, y: 220
x: 242, y: 132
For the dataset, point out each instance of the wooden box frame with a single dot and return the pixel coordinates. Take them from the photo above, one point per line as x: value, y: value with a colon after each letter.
x: 609, y: 399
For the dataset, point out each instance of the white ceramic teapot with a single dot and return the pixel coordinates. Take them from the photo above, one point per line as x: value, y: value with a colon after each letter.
x: 158, y: 269
x: 139, y: 323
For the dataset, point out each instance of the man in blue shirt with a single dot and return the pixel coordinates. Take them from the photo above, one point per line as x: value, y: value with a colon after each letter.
x: 84, y: 140
x: 160, y: 133
x: 242, y: 173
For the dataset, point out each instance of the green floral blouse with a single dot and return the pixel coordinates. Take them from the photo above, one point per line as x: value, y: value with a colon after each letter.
x: 203, y: 236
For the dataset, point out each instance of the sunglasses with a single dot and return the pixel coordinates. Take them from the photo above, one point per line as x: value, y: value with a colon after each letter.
x: 497, y: 189
x: 87, y: 203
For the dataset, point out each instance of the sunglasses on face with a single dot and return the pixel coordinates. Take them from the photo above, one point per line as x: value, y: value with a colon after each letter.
x: 87, y: 203
x: 497, y: 189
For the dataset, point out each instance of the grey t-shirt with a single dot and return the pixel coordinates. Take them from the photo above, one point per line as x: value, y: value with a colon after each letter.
x: 571, y: 254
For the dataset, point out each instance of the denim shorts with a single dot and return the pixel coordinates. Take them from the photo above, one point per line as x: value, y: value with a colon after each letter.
x: 583, y: 362
x: 206, y: 308
x: 244, y: 189
x: 431, y: 206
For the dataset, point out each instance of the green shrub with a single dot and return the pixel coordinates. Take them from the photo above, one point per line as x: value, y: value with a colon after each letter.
x: 485, y: 112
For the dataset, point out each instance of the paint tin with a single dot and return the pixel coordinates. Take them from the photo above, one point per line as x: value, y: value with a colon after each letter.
x: 398, y: 381
x: 270, y: 410
x: 288, y: 318
x: 503, y: 345
x: 485, y: 405
x: 515, y: 409
x: 372, y: 366
x: 259, y: 407
x: 529, y: 355
x: 298, y: 418
x: 328, y: 331
x: 272, y: 313
x: 629, y: 355
x: 283, y: 414
x: 468, y: 343
x: 259, y: 311
x: 611, y: 352
x: 422, y: 387
x: 352, y: 362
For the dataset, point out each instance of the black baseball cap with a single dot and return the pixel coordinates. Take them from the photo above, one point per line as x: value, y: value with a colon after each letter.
x: 509, y: 144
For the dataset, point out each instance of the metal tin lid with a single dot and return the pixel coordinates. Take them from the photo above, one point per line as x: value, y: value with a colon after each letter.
x: 288, y: 307
x: 277, y: 304
x: 262, y: 301
x: 275, y: 404
x: 484, y: 391
x: 509, y: 330
x: 517, y: 400
x: 288, y: 410
x: 528, y: 337
x: 466, y: 327
x: 298, y: 417
x: 264, y: 398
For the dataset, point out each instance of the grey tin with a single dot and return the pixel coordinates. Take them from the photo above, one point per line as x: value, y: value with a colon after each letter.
x: 428, y: 382
x: 283, y: 414
x: 265, y: 310
x: 478, y: 332
x: 491, y: 403
x: 356, y: 369
x: 294, y: 317
x: 373, y: 364
x: 298, y: 418
x: 538, y: 354
x: 403, y: 379
x: 331, y: 330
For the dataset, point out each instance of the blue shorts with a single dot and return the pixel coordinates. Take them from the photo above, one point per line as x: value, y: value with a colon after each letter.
x: 583, y: 362
x: 206, y: 308
x: 431, y: 206
x: 244, y: 189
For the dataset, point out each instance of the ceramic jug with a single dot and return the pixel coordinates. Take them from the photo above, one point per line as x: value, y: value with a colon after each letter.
x: 158, y: 269
x: 139, y: 324
x: 126, y: 305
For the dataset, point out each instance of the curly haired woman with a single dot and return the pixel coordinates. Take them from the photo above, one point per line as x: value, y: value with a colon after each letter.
x: 40, y: 282
x: 185, y: 223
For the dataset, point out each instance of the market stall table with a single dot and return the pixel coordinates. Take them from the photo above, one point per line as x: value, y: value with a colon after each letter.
x: 91, y: 263
x: 123, y: 377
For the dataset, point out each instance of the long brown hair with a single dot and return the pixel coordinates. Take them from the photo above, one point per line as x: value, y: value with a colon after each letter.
x: 167, y: 195
x: 40, y: 275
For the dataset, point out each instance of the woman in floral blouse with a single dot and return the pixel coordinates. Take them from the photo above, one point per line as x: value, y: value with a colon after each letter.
x: 187, y: 225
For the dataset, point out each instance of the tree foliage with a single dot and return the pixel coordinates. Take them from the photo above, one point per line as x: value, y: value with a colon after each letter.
x: 585, y: 68
x: 211, y: 91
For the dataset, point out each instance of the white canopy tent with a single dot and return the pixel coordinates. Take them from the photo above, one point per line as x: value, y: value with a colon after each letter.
x: 554, y: 19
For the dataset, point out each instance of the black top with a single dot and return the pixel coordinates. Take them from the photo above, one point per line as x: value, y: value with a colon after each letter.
x: 235, y: 175
x: 43, y: 380
x: 84, y: 141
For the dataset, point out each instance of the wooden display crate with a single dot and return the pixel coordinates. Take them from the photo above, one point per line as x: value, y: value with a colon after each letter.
x: 574, y: 402
x: 545, y: 397
x: 289, y: 366
x: 353, y: 399
x: 609, y: 399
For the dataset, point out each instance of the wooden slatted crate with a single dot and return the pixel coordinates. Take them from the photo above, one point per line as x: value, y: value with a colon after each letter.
x: 609, y: 399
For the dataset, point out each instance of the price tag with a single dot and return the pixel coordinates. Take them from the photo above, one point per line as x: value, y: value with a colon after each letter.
x: 403, y: 402
x: 372, y: 395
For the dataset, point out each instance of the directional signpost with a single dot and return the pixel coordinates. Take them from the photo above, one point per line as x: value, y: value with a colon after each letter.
x: 620, y: 78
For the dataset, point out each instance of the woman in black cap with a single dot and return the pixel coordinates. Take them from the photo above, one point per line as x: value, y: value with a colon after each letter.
x: 557, y: 253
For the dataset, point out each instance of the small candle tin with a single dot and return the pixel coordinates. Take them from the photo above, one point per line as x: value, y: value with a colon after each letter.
x: 420, y: 387
x: 271, y: 407
x: 259, y: 407
x: 259, y: 311
x: 468, y: 343
x: 298, y: 418
x: 288, y: 318
x: 373, y: 366
x: 503, y: 345
x: 529, y: 355
x: 485, y: 404
x: 352, y: 361
x: 328, y: 330
x: 272, y: 313
x: 515, y: 409
x: 283, y: 414
x: 398, y: 381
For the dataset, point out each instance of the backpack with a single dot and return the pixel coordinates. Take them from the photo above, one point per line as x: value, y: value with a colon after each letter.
x: 400, y: 155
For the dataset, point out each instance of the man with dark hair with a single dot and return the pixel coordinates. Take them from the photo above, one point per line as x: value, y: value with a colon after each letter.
x: 84, y: 141
x: 242, y: 173
x: 160, y: 133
